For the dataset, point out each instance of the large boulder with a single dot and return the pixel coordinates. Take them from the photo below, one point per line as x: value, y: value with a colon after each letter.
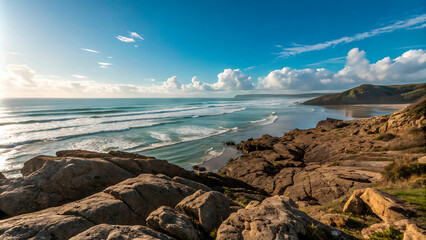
x: 412, y: 232
x: 172, y: 222
x: 384, y: 205
x: 355, y: 204
x: 275, y: 218
x: 127, y: 203
x: 118, y: 232
x: 208, y: 208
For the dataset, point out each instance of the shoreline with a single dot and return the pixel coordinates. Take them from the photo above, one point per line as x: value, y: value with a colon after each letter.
x: 215, y: 163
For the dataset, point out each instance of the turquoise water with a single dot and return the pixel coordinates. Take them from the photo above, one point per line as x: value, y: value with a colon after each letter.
x: 182, y: 131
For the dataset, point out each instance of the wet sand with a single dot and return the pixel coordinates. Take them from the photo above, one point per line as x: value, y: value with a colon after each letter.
x: 214, y: 164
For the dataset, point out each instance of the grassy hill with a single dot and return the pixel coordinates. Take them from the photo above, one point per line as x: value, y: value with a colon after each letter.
x: 373, y: 94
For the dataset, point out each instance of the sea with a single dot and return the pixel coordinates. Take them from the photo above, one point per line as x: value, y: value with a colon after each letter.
x: 184, y: 131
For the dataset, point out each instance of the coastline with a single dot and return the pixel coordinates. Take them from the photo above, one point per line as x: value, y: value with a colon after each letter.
x: 215, y: 163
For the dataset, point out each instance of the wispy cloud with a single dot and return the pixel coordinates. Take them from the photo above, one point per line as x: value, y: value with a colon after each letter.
x: 79, y: 76
x: 125, y: 39
x: 411, y: 23
x: 104, y: 64
x: 418, y: 27
x: 248, y: 68
x: 89, y: 50
x: 412, y: 47
x: 136, y: 35
x: 133, y: 37
x: 109, y: 57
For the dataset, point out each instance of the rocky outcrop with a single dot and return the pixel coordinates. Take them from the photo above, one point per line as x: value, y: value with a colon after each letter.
x: 72, y: 175
x: 127, y: 203
x: 384, y: 205
x: 172, y: 222
x: 275, y: 218
x: 118, y: 232
x: 355, y: 204
x: 2, y: 176
x: 321, y: 164
x: 210, y: 209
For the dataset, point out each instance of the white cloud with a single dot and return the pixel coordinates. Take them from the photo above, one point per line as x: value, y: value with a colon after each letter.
x: 136, y: 35
x: 89, y: 50
x: 109, y: 57
x: 411, y: 23
x: 22, y: 81
x: 288, y: 78
x: 79, y: 76
x: 409, y: 67
x: 133, y: 38
x: 104, y: 64
x: 233, y: 79
x: 125, y: 39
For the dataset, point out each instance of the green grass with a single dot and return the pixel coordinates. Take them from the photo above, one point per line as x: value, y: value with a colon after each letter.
x: 416, y: 196
x: 390, y: 234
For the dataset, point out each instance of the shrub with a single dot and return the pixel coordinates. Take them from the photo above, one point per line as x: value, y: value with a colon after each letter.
x: 403, y: 169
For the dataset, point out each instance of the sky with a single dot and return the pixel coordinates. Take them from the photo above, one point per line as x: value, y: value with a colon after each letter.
x: 211, y: 48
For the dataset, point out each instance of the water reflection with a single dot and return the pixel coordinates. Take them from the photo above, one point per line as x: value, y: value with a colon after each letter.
x: 365, y: 110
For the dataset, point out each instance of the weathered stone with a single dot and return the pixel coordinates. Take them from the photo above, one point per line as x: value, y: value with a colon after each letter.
x: 355, y: 204
x: 193, y: 184
x: 2, y: 176
x: 209, y: 208
x: 335, y: 220
x: 412, y: 232
x: 384, y: 205
x: 172, y: 222
x: 400, y: 225
x: 126, y: 203
x: 117, y: 232
x: 275, y: 218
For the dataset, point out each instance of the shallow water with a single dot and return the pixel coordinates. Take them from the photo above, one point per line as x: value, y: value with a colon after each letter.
x: 182, y: 131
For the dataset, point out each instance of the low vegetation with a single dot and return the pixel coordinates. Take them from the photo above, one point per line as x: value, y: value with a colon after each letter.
x: 390, y: 234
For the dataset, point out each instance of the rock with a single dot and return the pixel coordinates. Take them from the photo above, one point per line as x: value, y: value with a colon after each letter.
x: 199, y: 168
x: 275, y: 218
x: 192, y: 184
x: 335, y: 220
x: 384, y: 205
x: 331, y: 123
x: 57, y: 182
x: 117, y: 232
x: 422, y: 159
x: 412, y: 232
x: 127, y: 203
x: 45, y: 224
x: 2, y: 176
x: 209, y: 208
x: 172, y: 222
x: 380, y: 227
x: 355, y: 204
x: 230, y: 143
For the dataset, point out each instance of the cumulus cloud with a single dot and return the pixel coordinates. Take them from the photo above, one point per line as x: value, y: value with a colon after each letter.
x: 411, y: 23
x: 22, y: 81
x: 288, y: 78
x: 233, y: 79
x: 90, y: 50
x: 409, y: 67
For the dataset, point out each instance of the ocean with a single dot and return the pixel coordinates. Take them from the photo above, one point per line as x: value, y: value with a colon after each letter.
x: 183, y: 131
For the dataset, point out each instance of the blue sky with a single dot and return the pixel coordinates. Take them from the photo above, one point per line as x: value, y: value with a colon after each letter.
x: 257, y: 46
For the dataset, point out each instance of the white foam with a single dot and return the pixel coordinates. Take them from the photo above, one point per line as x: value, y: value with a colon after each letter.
x: 160, y: 136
